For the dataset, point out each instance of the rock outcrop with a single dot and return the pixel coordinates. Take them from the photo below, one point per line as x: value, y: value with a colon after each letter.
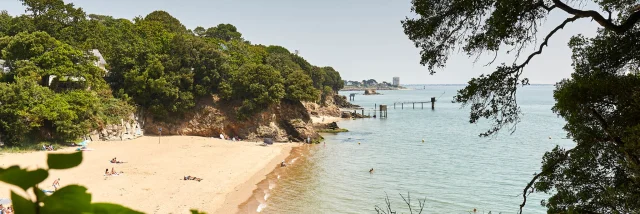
x: 370, y: 92
x: 128, y: 129
x: 283, y: 122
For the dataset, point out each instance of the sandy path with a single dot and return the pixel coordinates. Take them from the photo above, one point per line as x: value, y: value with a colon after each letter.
x: 152, y: 175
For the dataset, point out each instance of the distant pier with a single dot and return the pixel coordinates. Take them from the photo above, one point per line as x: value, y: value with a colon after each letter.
x: 413, y: 103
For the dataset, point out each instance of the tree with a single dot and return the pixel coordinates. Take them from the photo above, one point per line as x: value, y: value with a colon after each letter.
x: 62, y: 21
x: 299, y: 87
x: 199, y: 31
x: 226, y: 32
x: 275, y: 49
x: 283, y: 63
x: 258, y: 86
x: 599, y: 175
x: 169, y: 22
x: 5, y: 23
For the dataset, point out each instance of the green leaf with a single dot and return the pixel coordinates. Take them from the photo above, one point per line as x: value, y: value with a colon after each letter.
x: 99, y: 208
x: 22, y: 205
x: 69, y: 199
x: 23, y: 178
x: 64, y: 161
x: 40, y: 195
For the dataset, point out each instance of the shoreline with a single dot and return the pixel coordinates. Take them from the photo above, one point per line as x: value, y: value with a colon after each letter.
x: 257, y: 200
x: 243, y: 193
x: 152, y: 179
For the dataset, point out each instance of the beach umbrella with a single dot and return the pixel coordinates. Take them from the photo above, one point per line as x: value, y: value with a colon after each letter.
x: 5, y: 201
x: 268, y: 141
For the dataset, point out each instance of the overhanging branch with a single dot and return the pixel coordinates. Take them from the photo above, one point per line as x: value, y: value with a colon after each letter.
x: 546, y: 41
x: 604, y: 22
x: 545, y: 171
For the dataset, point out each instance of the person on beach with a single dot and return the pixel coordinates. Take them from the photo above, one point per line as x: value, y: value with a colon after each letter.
x: 116, y: 161
x: 113, y: 171
x: 189, y: 177
x: 106, y: 172
x: 56, y: 184
x: 283, y: 164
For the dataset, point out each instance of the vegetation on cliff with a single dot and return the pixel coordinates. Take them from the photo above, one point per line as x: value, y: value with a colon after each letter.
x: 54, y: 90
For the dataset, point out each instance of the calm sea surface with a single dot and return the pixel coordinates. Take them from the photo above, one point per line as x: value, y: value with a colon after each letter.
x: 454, y: 169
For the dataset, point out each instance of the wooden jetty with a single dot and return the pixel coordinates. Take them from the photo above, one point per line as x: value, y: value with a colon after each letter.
x: 413, y: 103
x: 367, y: 112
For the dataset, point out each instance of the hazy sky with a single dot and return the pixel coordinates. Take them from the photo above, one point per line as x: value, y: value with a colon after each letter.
x: 362, y: 39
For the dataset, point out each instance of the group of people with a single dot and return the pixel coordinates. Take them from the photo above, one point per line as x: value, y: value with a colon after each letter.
x: 236, y: 138
x: 113, y: 172
x: 6, y: 210
x: 47, y: 147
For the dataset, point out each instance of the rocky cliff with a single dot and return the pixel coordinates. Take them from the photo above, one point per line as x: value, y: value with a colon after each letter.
x: 287, y: 121
x: 128, y: 129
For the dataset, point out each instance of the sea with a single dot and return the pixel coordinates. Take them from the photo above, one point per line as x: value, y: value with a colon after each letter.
x: 435, y: 156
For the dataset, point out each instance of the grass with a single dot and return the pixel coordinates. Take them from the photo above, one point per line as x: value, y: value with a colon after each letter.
x: 31, y: 147
x: 332, y: 130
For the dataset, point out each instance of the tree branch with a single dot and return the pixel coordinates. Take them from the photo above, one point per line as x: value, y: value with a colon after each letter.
x: 545, y: 171
x: 542, y: 5
x: 605, y: 126
x: 608, y: 24
x: 546, y: 41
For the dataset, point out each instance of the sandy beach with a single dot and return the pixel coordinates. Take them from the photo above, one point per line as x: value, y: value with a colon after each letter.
x: 325, y: 119
x: 153, y: 172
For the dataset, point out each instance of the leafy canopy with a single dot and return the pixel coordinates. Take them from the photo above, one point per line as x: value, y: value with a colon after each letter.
x: 600, y: 174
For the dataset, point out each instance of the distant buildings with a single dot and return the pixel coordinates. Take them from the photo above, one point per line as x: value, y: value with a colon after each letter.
x: 396, y: 81
x: 2, y: 68
x: 101, y: 63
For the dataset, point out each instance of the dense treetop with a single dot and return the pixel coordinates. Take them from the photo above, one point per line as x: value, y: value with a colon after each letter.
x: 153, y: 62
x: 601, y: 174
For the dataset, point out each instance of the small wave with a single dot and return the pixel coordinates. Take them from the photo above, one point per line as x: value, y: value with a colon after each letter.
x: 266, y: 195
x: 271, y: 185
x: 261, y: 207
x: 293, y: 160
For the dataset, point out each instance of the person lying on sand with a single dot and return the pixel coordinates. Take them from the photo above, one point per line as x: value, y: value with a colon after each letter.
x: 116, y: 161
x: 189, y: 177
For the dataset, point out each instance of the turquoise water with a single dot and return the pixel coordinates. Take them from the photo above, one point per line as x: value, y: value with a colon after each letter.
x: 454, y: 169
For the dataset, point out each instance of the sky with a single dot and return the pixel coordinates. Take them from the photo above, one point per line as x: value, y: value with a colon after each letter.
x: 362, y: 39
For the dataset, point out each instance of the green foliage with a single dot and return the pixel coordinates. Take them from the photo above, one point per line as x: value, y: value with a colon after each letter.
x: 599, y: 102
x: 275, y: 49
x: 22, y: 178
x: 226, y: 32
x: 258, y: 86
x: 168, y: 22
x: 64, y: 161
x: 299, y: 86
x: 69, y: 199
x: 153, y: 62
x: 105, y: 208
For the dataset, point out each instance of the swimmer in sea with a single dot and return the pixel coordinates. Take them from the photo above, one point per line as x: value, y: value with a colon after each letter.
x: 371, y: 171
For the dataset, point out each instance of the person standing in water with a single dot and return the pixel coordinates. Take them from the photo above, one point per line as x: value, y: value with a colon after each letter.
x: 371, y: 171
